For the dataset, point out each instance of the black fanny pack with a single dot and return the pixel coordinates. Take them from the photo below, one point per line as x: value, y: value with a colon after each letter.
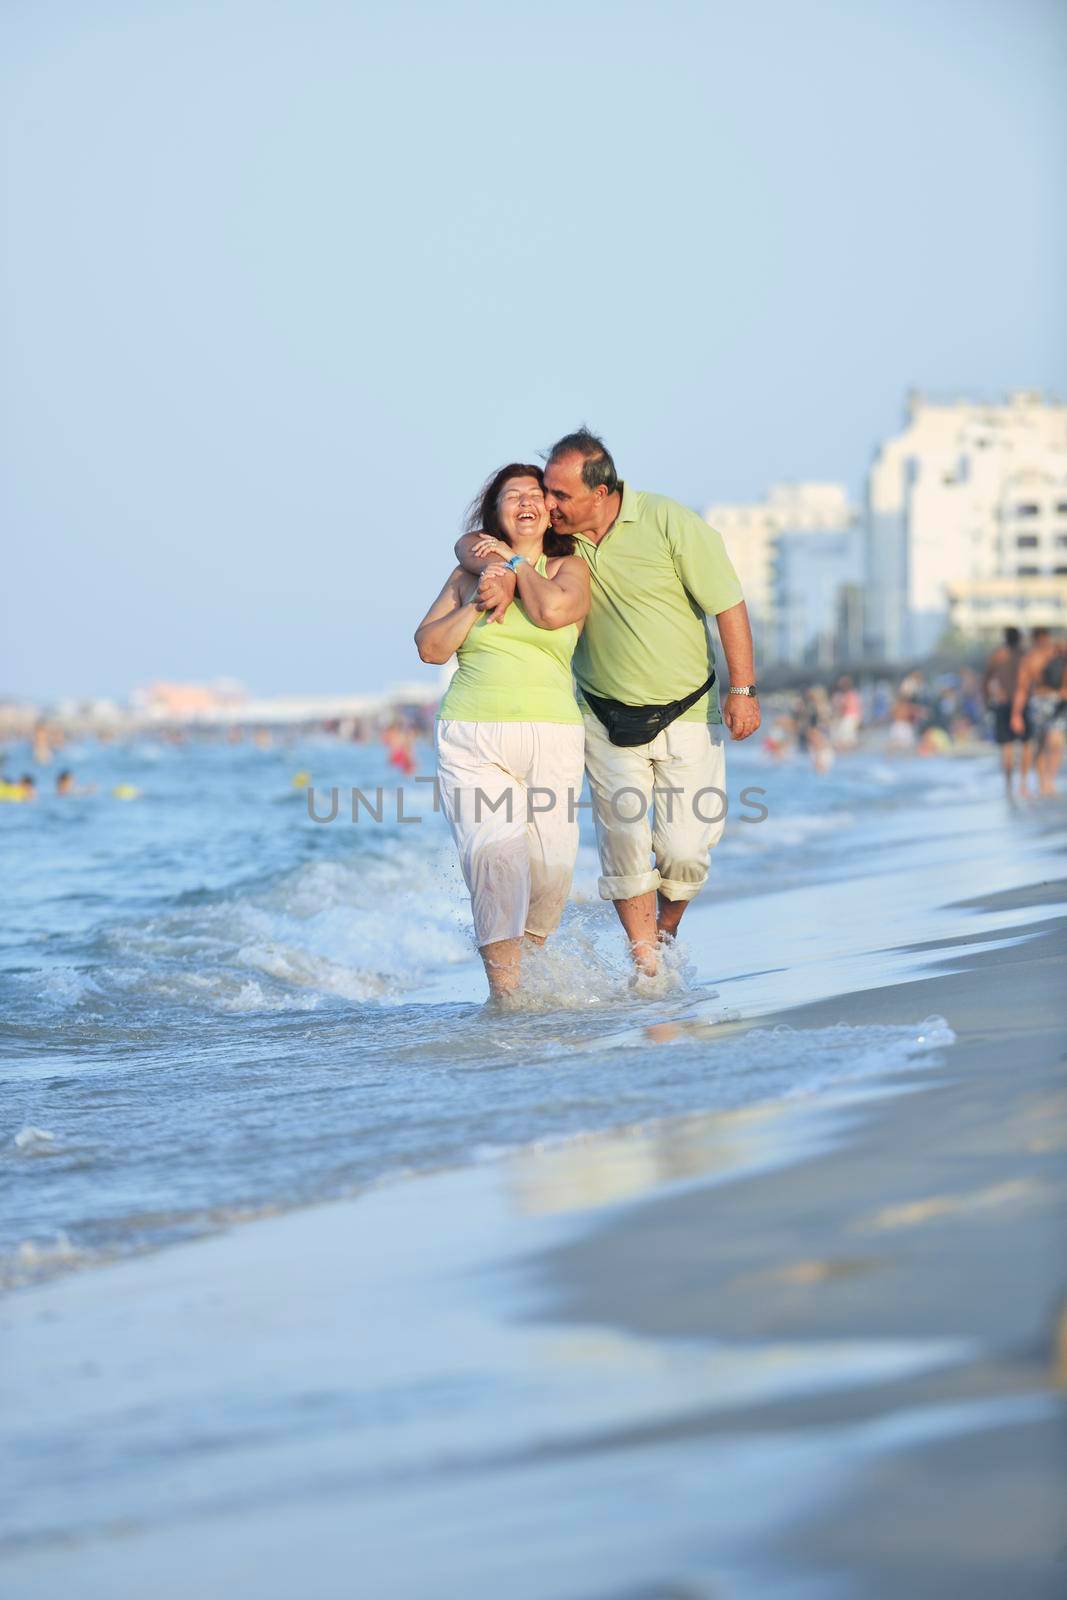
x: 628, y: 725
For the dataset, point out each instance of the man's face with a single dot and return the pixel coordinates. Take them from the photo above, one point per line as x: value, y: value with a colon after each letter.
x: 572, y: 507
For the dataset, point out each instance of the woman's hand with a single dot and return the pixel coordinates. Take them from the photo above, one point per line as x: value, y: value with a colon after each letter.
x: 496, y: 591
x: 486, y: 545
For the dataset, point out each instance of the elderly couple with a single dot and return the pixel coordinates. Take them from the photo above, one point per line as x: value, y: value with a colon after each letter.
x: 571, y: 570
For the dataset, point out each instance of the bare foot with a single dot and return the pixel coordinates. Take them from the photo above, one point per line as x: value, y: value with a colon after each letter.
x: 646, y: 957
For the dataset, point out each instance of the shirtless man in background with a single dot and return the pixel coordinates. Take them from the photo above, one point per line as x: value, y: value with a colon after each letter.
x: 1038, y: 701
x: 999, y: 683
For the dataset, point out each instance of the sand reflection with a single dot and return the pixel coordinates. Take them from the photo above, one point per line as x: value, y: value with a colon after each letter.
x: 621, y: 1163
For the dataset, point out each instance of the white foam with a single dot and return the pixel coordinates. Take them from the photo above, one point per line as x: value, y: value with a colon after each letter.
x: 35, y: 1259
x: 367, y: 928
x: 66, y: 986
x: 31, y: 1141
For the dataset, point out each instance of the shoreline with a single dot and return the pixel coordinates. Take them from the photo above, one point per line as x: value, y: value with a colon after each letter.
x: 888, y: 1281
x: 942, y: 1216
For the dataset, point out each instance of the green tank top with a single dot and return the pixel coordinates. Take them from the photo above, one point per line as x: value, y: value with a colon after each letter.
x: 514, y: 671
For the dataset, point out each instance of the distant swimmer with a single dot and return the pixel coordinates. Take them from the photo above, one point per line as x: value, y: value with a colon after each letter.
x: 848, y: 714
x: 66, y: 786
x: 19, y: 789
x: 1035, y: 701
x: 812, y: 723
x: 399, y: 740
x: 510, y: 741
x: 999, y: 684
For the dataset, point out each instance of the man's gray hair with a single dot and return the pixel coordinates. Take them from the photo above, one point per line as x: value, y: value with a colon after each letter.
x: 597, y: 466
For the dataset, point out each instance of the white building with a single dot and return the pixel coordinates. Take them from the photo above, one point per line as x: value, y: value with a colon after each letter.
x: 753, y: 533
x: 815, y: 571
x: 1032, y: 516
x: 941, y: 511
x: 981, y: 608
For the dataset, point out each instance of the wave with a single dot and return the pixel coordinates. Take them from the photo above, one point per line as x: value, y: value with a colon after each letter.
x: 369, y: 927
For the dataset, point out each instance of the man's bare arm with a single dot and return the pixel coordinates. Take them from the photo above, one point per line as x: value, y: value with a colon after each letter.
x: 468, y: 560
x: 741, y: 713
x: 1023, y: 685
x: 554, y: 602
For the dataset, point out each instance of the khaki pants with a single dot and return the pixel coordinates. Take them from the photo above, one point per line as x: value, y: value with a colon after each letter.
x: 672, y: 856
x: 510, y: 792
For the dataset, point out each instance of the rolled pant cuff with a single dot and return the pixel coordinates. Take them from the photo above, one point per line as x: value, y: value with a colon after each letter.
x: 671, y: 890
x: 625, y: 888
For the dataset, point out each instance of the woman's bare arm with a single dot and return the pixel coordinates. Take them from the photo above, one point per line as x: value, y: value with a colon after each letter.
x: 448, y: 621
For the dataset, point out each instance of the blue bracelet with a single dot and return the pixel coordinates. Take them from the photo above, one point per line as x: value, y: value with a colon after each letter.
x: 513, y: 563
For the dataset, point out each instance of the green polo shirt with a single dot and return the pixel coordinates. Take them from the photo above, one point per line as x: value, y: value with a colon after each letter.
x: 655, y: 578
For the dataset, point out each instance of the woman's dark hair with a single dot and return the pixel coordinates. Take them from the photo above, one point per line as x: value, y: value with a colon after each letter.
x: 484, y: 516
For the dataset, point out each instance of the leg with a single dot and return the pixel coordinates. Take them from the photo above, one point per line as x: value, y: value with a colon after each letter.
x: 503, y: 962
x: 1006, y: 740
x: 638, y: 917
x: 690, y: 813
x: 1053, y: 754
x: 621, y: 781
x: 668, y: 915
x: 1026, y: 765
x: 553, y: 777
x: 486, y: 810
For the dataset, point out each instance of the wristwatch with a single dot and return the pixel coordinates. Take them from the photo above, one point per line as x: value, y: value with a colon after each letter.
x: 745, y: 688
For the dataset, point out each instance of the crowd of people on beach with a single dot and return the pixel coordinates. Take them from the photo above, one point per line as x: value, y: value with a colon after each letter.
x: 1018, y: 702
x: 916, y: 716
x: 956, y: 712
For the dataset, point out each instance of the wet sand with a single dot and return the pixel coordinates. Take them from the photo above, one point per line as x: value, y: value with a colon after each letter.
x: 808, y: 1348
x: 942, y: 1216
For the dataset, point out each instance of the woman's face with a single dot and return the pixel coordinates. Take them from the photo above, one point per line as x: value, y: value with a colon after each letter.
x: 521, y: 509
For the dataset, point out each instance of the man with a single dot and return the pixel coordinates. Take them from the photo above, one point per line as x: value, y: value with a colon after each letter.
x: 656, y: 572
x: 1036, y: 702
x: 999, y: 683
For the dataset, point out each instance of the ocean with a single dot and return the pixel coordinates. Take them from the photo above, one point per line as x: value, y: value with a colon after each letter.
x: 216, y: 1008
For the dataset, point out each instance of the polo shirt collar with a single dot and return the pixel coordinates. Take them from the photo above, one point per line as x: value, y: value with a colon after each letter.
x: 627, y: 513
x: 628, y: 509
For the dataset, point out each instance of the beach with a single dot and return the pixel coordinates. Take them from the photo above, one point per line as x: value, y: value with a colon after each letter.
x: 783, y: 1317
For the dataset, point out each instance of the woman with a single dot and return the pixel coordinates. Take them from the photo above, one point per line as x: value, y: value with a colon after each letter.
x: 510, y: 740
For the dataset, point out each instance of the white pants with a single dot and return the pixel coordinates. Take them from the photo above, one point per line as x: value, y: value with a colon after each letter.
x: 510, y: 791
x: 687, y: 758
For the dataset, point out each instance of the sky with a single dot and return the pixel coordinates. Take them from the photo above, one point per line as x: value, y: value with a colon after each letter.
x: 283, y: 281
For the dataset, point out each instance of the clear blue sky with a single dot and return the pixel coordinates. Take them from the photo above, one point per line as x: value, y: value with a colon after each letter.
x: 284, y: 281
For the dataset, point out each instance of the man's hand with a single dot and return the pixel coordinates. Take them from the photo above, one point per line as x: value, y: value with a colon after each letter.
x: 741, y: 715
x: 496, y: 591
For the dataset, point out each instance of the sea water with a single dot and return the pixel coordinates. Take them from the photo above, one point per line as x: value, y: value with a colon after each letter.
x: 215, y: 1007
